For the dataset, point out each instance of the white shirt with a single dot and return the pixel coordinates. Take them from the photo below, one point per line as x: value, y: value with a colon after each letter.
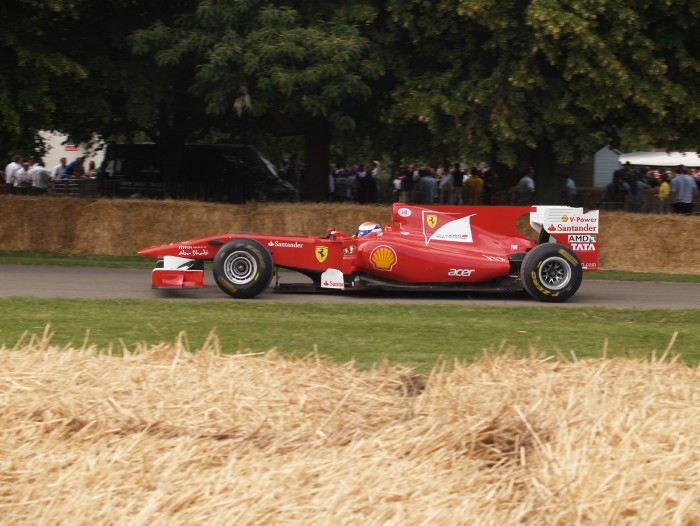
x: 39, y: 176
x: 57, y: 171
x: 11, y: 172
x: 21, y: 177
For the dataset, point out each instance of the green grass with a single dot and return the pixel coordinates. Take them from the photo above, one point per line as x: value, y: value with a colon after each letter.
x: 38, y: 258
x: 416, y: 335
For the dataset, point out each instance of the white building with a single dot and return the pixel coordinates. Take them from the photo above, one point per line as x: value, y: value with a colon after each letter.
x: 59, y: 146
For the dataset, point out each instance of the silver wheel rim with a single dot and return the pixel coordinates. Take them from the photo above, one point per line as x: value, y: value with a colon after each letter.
x: 554, y: 273
x: 240, y: 267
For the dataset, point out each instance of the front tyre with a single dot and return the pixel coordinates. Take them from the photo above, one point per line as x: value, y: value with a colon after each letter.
x: 551, y: 272
x: 243, y: 268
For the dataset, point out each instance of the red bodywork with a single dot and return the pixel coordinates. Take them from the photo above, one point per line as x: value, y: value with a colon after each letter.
x: 424, y: 246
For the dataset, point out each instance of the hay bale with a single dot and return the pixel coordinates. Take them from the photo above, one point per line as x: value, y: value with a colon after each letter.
x: 169, y: 436
x: 120, y: 227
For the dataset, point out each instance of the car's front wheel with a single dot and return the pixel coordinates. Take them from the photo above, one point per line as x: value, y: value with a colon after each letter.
x: 551, y: 272
x: 243, y: 268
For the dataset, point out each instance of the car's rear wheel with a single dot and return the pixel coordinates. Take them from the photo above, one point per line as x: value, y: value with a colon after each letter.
x: 551, y: 272
x: 243, y: 268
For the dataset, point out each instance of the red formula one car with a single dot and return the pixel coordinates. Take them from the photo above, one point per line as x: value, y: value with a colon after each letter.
x: 425, y: 248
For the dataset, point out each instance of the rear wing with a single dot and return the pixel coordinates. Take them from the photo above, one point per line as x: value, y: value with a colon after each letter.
x: 571, y: 227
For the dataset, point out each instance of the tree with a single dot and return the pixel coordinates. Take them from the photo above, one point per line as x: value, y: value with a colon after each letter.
x: 31, y: 61
x: 545, y: 81
x: 291, y: 66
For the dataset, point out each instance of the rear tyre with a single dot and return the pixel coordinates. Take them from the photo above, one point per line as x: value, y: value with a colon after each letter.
x: 243, y: 268
x: 551, y: 272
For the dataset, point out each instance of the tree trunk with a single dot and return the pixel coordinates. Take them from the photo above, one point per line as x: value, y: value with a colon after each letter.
x: 314, y: 186
x: 547, y: 185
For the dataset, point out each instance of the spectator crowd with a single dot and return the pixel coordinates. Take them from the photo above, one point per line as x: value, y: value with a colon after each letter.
x: 410, y: 184
x: 27, y: 176
x: 631, y: 189
x: 652, y: 190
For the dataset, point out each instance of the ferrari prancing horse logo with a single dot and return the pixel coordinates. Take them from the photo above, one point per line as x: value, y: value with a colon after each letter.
x: 431, y: 220
x: 321, y: 254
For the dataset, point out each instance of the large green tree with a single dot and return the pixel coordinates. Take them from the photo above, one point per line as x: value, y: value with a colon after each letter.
x: 32, y: 59
x: 545, y: 81
x: 292, y: 67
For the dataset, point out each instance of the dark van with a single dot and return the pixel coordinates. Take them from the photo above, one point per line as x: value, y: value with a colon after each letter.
x: 230, y: 173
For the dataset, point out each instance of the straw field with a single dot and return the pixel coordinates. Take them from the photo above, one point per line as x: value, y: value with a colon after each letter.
x: 632, y: 242
x: 163, y: 435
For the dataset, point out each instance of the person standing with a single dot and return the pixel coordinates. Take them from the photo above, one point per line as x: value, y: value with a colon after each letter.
x: 569, y: 191
x: 473, y: 189
x: 664, y: 193
x: 22, y: 181
x: 446, y: 188
x: 683, y: 190
x: 11, y: 172
x: 40, y: 178
x: 427, y: 187
x: 57, y: 170
x: 74, y: 169
x: 525, y: 189
x: 457, y: 178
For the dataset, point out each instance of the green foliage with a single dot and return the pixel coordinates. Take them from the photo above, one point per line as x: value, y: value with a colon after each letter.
x: 267, y: 59
x: 31, y: 61
x: 467, y: 79
x: 576, y: 75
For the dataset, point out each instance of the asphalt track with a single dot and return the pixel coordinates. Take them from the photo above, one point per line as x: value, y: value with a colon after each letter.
x: 104, y: 283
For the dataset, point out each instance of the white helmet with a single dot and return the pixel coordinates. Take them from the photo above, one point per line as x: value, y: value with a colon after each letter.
x: 366, y: 228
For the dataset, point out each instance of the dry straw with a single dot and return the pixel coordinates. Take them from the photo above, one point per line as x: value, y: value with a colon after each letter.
x: 635, y: 242
x: 167, y: 436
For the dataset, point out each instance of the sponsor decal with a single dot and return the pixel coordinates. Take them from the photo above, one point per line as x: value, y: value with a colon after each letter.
x: 582, y: 238
x: 558, y: 227
x: 461, y: 272
x: 321, y: 254
x: 536, y: 282
x: 495, y: 258
x: 583, y: 247
x: 404, y: 233
x: 439, y: 226
x: 571, y: 259
x: 575, y: 222
x: 349, y: 250
x: 383, y: 258
x: 193, y: 252
x: 332, y: 279
x: 285, y: 244
x: 405, y: 212
x: 226, y: 284
x: 514, y: 247
x: 590, y: 265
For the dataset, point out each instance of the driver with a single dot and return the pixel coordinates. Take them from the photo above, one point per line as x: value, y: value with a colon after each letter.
x: 367, y: 228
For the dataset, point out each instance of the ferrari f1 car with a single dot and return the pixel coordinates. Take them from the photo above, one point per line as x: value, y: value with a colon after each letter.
x: 431, y: 248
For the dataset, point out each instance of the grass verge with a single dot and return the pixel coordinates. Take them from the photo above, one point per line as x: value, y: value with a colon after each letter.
x: 413, y: 335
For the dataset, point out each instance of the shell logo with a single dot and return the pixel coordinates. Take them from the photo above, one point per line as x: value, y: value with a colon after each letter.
x: 383, y: 258
x: 565, y: 219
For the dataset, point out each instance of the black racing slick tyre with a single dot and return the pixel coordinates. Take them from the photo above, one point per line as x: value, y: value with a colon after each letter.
x: 551, y: 272
x: 243, y: 268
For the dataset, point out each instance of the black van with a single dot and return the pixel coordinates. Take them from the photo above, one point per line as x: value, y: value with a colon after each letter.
x: 230, y: 173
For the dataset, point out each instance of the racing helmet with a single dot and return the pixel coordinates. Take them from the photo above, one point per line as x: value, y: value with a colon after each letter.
x: 366, y: 228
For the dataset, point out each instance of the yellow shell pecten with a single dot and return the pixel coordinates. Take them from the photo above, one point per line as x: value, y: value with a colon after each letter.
x: 383, y: 258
